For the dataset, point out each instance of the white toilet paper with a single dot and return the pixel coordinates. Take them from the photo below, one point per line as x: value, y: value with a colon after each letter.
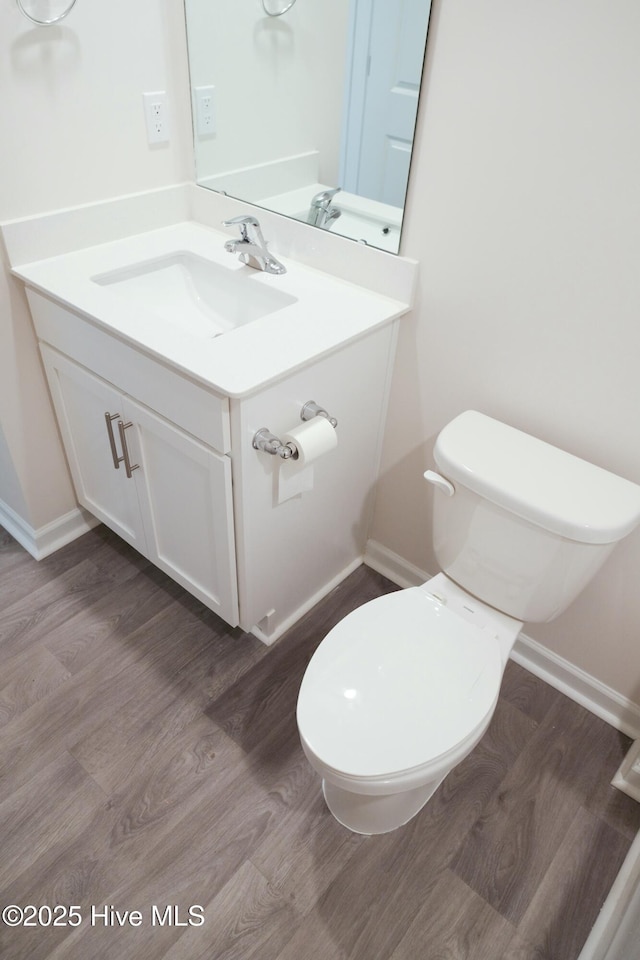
x: 293, y: 480
x: 312, y: 439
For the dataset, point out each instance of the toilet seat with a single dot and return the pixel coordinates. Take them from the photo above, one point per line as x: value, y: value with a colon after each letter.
x: 400, y: 682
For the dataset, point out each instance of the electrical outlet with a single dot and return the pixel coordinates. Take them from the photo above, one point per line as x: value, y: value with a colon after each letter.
x: 155, y: 115
x: 205, y: 111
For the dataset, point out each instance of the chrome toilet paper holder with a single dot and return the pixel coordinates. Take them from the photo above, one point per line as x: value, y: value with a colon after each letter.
x: 266, y: 441
x: 311, y: 409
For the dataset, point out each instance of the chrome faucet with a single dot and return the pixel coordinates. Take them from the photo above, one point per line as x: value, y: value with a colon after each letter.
x: 321, y: 212
x: 251, y: 245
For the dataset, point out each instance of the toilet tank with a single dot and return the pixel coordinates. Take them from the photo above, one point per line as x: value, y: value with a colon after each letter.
x: 526, y: 525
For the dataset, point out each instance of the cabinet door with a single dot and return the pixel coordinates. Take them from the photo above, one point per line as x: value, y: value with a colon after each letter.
x: 185, y: 495
x: 83, y: 402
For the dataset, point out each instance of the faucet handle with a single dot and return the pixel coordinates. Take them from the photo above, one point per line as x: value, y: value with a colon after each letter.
x: 241, y: 219
x: 325, y: 197
x: 252, y: 248
x: 243, y: 222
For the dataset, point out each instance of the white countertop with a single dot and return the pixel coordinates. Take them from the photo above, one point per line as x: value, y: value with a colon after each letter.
x: 328, y: 312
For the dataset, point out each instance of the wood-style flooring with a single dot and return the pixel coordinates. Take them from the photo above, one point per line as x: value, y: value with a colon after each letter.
x: 149, y: 759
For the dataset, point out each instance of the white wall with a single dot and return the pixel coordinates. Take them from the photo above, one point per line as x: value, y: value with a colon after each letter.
x: 524, y: 212
x: 279, y: 81
x: 73, y: 132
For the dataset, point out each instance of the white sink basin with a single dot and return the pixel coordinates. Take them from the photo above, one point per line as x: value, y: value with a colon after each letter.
x: 198, y: 295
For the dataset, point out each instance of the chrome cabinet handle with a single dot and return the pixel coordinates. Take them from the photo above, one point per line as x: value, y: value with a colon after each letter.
x: 128, y: 466
x: 109, y: 417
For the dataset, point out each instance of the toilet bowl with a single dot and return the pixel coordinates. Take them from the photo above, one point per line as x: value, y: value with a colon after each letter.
x: 401, y: 690
x: 397, y: 694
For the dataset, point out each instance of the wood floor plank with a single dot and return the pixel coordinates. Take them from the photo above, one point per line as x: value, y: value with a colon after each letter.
x: 80, y: 867
x: 21, y: 575
x: 111, y: 860
x: 316, y: 939
x: 162, y: 861
x: 519, y: 949
x: 509, y: 733
x: 135, y: 744
x: 105, y: 624
x: 33, y: 818
x: 171, y: 865
x: 224, y: 661
x: 32, y: 618
x: 147, y: 660
x: 531, y: 695
x: 454, y: 922
x: 265, y: 694
x: 27, y: 678
x: 563, y: 929
x: 513, y: 843
x: 318, y: 849
x: 253, y: 916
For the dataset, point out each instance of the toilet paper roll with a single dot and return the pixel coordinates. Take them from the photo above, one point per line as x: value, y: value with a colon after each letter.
x: 312, y: 440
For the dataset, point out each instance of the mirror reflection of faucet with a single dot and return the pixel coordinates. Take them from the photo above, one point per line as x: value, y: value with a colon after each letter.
x: 322, y: 212
x: 251, y: 246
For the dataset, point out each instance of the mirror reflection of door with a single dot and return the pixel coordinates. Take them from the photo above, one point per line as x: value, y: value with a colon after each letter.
x: 386, y: 53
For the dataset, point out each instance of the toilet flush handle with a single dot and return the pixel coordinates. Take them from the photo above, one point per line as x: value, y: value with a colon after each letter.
x: 440, y: 482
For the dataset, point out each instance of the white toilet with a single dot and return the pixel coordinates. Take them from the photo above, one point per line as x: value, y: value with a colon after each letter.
x: 404, y: 687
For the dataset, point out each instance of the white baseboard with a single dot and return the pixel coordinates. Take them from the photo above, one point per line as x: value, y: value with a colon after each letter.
x: 45, y: 540
x: 274, y: 634
x: 586, y: 690
x: 392, y: 566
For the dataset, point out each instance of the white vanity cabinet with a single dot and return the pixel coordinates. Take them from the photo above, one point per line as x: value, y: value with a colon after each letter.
x: 163, y: 490
x: 158, y: 419
x: 169, y: 464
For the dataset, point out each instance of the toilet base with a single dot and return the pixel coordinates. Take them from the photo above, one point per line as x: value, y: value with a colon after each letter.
x: 370, y: 815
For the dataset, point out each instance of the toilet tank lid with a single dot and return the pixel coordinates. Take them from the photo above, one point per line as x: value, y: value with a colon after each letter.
x: 537, y: 481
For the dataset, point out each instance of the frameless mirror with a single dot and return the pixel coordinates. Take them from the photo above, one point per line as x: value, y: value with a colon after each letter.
x: 308, y: 108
